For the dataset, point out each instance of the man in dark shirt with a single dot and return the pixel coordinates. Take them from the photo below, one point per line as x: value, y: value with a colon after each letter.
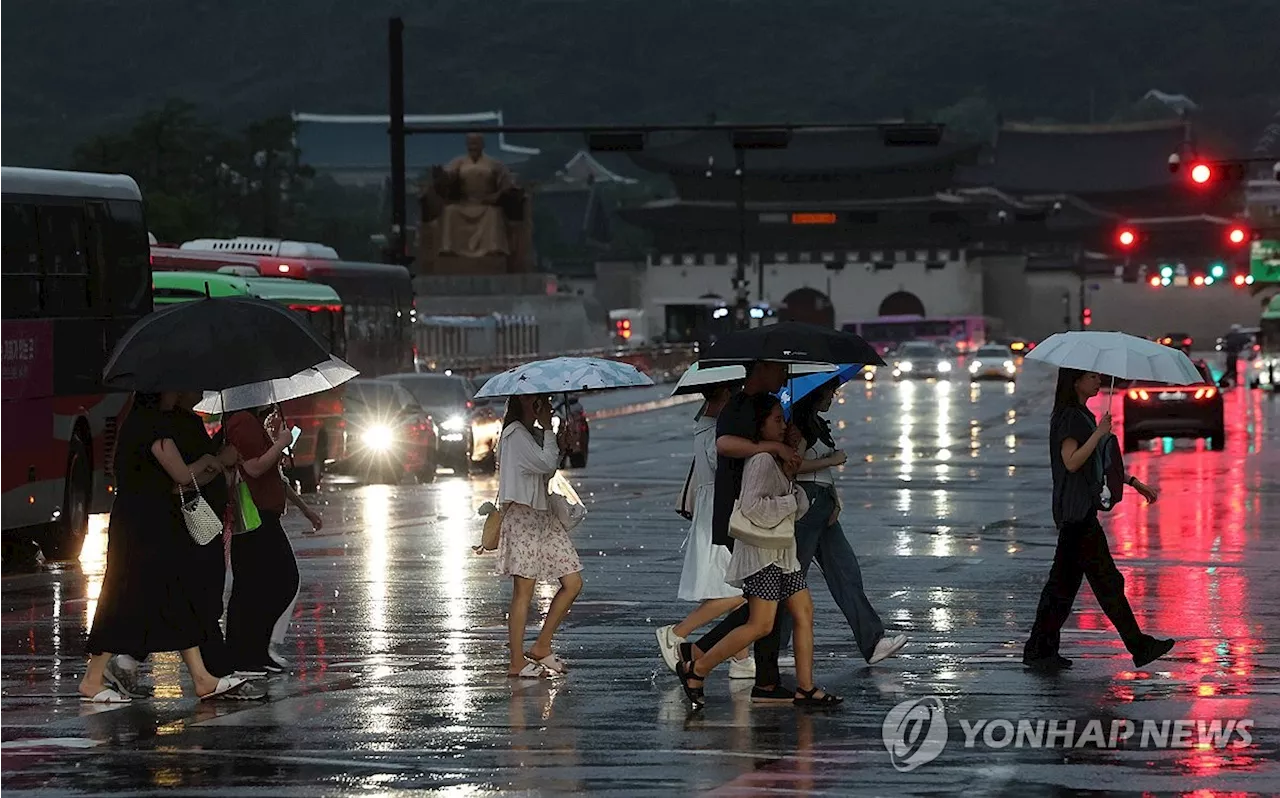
x: 735, y: 444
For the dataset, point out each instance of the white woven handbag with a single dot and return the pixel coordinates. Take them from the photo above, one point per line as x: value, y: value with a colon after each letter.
x: 203, y: 524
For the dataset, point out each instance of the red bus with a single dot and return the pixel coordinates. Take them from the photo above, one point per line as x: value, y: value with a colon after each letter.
x: 75, y: 278
x: 377, y: 298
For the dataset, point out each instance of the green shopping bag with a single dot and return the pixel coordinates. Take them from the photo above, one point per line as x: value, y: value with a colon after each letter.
x: 248, y: 511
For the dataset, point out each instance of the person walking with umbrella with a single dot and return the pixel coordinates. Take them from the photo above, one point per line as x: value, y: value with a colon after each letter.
x: 818, y: 531
x: 1075, y: 438
x: 702, y: 579
x: 152, y: 592
x: 533, y: 545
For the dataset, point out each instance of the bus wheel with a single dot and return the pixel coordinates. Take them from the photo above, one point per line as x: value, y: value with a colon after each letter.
x: 66, y: 537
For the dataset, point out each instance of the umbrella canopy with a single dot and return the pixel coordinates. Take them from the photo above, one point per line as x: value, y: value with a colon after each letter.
x: 316, y: 379
x: 1115, y: 354
x: 792, y: 342
x: 800, y: 387
x: 564, y: 375
x: 213, y: 344
x: 699, y: 376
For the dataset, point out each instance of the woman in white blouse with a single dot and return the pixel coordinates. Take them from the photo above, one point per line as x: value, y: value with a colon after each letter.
x: 767, y: 576
x: 534, y: 545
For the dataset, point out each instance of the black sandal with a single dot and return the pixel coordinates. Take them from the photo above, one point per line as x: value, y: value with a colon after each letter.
x: 696, y: 695
x: 806, y: 698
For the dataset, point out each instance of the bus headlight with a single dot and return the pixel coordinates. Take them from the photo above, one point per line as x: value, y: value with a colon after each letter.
x: 379, y: 437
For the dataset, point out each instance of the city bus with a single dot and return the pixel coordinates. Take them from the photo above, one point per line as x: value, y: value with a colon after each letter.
x: 320, y: 417
x: 886, y: 333
x: 75, y: 278
x: 377, y: 297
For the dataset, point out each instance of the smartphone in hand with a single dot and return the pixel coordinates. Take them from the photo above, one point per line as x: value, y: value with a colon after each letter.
x: 296, y: 433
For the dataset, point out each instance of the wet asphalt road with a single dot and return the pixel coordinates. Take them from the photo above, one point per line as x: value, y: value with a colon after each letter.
x: 398, y: 640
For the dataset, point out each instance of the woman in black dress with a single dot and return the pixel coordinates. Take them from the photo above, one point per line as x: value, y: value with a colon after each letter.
x: 151, y: 592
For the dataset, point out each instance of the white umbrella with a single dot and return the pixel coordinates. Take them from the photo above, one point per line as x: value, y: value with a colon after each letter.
x: 698, y: 376
x: 1117, y: 355
x: 564, y: 375
x: 316, y: 379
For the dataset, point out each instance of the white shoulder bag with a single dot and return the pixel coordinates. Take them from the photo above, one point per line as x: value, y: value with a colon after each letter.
x: 203, y: 524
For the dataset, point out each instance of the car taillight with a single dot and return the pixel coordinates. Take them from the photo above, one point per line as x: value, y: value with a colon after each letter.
x: 1139, y: 395
x: 1206, y: 393
x: 1186, y: 342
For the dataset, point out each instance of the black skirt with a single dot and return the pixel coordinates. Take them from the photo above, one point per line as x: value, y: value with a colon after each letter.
x: 151, y: 591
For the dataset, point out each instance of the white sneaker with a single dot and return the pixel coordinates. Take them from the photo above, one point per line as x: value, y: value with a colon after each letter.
x: 669, y: 645
x: 744, y: 668
x: 887, y: 647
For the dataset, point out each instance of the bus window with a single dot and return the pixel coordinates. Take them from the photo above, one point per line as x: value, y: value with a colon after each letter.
x: 66, y: 265
x: 20, y: 247
x: 125, y: 245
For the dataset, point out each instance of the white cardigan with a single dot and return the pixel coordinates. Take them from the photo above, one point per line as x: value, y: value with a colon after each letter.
x: 524, y: 467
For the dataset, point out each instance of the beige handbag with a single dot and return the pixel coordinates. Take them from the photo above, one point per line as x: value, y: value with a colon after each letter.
x: 492, y: 531
x: 744, y: 529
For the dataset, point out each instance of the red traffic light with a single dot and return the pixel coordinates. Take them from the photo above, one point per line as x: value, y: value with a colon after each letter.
x: 1201, y: 173
x: 1237, y: 235
x: 1127, y: 237
x: 1088, y: 317
x: 1239, y: 279
x: 1155, y: 281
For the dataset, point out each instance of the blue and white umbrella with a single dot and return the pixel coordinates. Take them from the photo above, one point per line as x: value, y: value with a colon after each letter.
x: 564, y: 375
x: 798, y: 388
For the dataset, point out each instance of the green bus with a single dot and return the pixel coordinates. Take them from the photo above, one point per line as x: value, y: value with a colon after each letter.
x: 320, y: 417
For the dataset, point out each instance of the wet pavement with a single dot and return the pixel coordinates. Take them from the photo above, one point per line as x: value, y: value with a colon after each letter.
x: 398, y: 640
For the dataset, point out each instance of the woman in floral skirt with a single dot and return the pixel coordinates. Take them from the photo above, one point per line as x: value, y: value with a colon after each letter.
x: 534, y: 545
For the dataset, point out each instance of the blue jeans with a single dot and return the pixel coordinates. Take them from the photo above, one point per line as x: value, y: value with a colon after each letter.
x: 827, y: 542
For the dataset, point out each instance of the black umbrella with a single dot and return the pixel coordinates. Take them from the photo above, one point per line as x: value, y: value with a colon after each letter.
x: 213, y: 344
x: 793, y: 342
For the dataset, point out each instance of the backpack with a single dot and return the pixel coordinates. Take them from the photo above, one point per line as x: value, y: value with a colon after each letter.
x: 1109, y: 473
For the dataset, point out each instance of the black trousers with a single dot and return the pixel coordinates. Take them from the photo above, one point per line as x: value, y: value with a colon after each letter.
x: 264, y: 581
x: 1082, y: 553
x: 766, y: 648
x: 211, y: 567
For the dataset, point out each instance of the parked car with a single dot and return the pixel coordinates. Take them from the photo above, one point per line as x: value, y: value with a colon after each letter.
x: 389, y: 435
x: 992, y: 361
x: 573, y: 414
x: 1154, y: 410
x: 921, y: 360
x: 467, y: 430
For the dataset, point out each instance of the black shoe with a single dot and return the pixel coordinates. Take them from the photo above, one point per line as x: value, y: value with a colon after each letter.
x: 1152, y: 649
x: 1050, y: 664
x: 778, y: 694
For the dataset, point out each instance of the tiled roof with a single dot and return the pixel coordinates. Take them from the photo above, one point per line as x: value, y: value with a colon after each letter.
x: 808, y: 151
x: 1081, y: 159
x: 331, y: 142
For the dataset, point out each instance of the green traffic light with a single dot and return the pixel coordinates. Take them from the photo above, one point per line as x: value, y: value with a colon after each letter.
x: 1166, y: 271
x: 1217, y: 270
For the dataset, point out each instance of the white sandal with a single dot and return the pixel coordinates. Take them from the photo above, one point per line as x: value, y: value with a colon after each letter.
x: 109, y: 695
x: 227, y: 686
x: 551, y: 662
x: 531, y: 670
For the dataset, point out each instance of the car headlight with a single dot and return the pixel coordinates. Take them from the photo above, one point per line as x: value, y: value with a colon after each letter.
x: 903, y: 365
x: 454, y: 424
x: 974, y: 366
x: 378, y: 437
x: 1009, y: 367
x: 944, y: 365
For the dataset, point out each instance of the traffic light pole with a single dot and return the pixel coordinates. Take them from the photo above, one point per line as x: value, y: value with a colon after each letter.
x: 741, y: 310
x: 399, y: 191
